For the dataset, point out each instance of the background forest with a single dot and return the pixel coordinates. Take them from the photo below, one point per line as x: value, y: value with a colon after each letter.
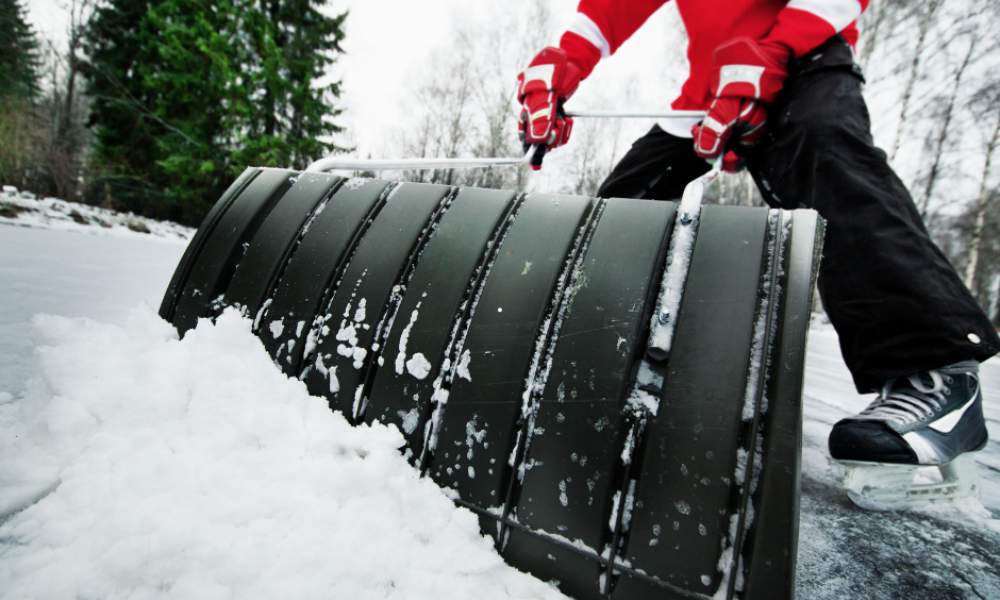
x: 154, y: 106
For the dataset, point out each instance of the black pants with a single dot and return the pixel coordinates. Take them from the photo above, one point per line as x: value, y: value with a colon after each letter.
x: 897, y: 304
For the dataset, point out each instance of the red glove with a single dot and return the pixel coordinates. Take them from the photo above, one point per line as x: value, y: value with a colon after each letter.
x: 746, y: 79
x: 541, y: 89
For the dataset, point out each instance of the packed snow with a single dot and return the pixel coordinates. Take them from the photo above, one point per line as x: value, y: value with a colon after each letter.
x: 418, y: 366
x: 678, y: 260
x: 25, y: 210
x: 140, y: 465
x: 404, y: 339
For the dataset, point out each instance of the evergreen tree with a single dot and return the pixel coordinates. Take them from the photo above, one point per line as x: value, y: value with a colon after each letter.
x: 121, y: 51
x: 196, y: 88
x: 290, y: 44
x: 187, y: 93
x: 18, y: 52
x: 20, y: 127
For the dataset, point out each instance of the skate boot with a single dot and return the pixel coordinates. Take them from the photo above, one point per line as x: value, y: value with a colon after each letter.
x: 933, y: 418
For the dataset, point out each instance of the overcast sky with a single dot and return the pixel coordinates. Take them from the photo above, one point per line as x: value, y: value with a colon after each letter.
x: 387, y: 41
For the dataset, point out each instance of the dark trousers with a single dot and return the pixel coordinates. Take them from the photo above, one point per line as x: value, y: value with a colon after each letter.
x: 897, y: 304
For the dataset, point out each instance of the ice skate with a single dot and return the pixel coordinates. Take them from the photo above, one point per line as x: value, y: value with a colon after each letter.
x: 929, y: 419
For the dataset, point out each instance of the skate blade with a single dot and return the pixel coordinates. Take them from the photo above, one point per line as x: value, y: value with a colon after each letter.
x: 889, y: 486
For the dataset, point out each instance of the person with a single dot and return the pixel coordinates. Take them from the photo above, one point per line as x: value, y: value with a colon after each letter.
x: 783, y: 99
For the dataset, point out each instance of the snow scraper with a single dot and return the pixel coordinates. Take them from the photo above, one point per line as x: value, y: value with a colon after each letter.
x: 613, y: 385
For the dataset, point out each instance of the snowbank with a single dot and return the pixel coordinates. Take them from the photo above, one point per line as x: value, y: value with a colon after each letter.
x: 143, y: 466
x: 22, y: 208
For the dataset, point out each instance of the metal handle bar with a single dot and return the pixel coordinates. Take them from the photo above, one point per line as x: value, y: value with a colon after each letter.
x: 614, y: 114
x: 384, y: 164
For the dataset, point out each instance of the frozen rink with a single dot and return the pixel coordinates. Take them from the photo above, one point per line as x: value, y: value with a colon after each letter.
x: 931, y: 553
x: 844, y: 552
x: 73, y: 275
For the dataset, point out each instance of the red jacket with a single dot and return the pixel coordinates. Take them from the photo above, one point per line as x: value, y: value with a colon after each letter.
x: 601, y: 26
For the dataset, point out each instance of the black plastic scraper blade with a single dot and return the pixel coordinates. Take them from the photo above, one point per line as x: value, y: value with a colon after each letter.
x: 506, y: 337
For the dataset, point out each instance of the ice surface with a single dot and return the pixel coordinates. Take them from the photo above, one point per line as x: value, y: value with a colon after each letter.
x: 99, y: 277
x: 925, y: 554
x: 140, y: 465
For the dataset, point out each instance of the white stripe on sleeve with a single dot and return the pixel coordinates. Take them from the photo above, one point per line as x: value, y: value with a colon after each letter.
x: 583, y: 26
x: 838, y: 13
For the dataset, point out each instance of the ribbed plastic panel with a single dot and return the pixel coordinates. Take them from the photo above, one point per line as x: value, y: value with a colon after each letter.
x: 505, y: 334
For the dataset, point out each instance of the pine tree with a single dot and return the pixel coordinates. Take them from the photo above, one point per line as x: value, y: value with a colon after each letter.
x: 121, y: 52
x: 187, y: 93
x: 290, y: 44
x: 197, y: 90
x: 20, y: 129
x: 19, y: 60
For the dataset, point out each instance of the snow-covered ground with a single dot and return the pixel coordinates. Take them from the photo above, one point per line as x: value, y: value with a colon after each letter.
x: 24, y: 210
x: 191, y: 468
x: 194, y: 469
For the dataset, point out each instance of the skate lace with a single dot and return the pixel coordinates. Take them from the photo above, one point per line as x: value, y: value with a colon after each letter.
x: 908, y: 405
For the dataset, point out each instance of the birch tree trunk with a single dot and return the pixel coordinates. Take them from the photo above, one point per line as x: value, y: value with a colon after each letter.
x: 874, y: 29
x: 926, y: 19
x: 977, y: 231
x: 942, y: 136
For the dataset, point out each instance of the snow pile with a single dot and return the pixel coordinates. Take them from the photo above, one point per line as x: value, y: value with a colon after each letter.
x: 140, y: 465
x: 22, y: 208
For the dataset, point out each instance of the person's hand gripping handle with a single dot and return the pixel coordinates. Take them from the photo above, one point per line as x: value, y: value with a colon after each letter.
x: 542, y: 89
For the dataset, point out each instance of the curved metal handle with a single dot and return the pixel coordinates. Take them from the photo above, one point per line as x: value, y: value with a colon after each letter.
x: 614, y: 114
x: 384, y: 164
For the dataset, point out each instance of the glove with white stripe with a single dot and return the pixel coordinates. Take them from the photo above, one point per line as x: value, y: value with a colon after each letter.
x: 542, y: 88
x: 746, y: 78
